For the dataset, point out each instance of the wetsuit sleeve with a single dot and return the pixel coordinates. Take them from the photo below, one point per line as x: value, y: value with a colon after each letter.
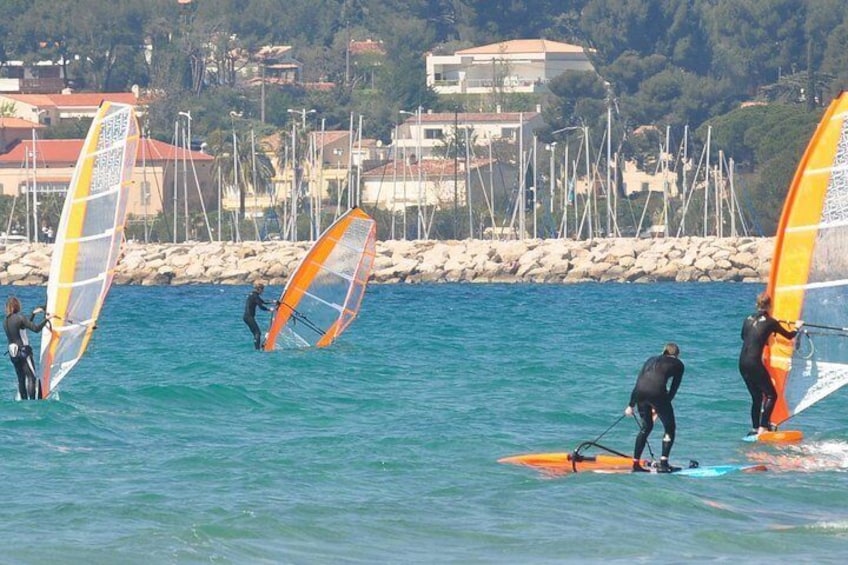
x: 777, y: 327
x: 675, y: 382
x: 254, y: 300
x: 33, y: 327
x: 263, y: 303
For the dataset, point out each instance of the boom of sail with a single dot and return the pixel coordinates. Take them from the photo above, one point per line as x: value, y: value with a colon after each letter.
x: 323, y: 295
x: 88, y: 240
x: 809, y: 272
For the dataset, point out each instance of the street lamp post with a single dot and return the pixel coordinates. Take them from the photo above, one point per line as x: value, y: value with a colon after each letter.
x: 302, y: 112
x: 552, y: 149
x: 295, y: 186
x: 35, y: 179
x: 417, y: 115
x: 455, y: 172
x: 585, y: 131
x: 236, y: 184
x: 186, y: 146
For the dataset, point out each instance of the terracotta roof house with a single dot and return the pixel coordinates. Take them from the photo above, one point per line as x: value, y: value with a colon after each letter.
x: 52, y: 109
x: 13, y: 130
x: 49, y: 169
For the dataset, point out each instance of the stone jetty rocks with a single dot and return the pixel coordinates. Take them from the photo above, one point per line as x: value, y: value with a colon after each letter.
x: 685, y: 259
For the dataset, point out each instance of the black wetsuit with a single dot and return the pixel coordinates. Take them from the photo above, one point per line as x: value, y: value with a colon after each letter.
x: 650, y: 392
x: 254, y: 300
x: 756, y: 331
x: 20, y: 352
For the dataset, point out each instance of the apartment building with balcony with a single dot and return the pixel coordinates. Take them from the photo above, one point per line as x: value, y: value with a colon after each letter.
x: 516, y: 66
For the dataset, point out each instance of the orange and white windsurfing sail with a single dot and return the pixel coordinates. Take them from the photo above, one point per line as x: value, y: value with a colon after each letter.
x: 88, y: 240
x: 323, y: 295
x: 809, y: 271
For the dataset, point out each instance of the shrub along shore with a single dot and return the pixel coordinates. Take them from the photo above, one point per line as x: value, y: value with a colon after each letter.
x: 687, y: 259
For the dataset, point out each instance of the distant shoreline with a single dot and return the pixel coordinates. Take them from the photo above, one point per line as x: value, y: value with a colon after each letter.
x: 687, y: 259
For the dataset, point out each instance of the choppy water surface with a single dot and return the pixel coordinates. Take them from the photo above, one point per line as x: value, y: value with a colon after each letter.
x: 174, y: 442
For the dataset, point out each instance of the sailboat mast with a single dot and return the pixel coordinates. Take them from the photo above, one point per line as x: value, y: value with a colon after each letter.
x: 535, y: 187
x: 732, y: 200
x: 185, y: 179
x: 609, y: 157
x: 176, y: 173
x: 293, y: 221
x: 521, y: 181
x: 468, y: 185
x: 685, y: 163
x: 565, y: 186
x: 720, y: 195
x: 29, y: 190
x: 34, y: 188
x: 145, y: 188
x: 665, y: 156
x: 589, y: 183
x: 707, y: 181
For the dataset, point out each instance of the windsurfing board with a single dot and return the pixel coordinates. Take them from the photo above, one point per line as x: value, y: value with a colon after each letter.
x: 561, y: 463
x: 784, y: 436
x: 719, y: 470
x: 707, y: 471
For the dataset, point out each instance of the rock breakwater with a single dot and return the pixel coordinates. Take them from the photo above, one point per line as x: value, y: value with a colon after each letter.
x: 685, y: 259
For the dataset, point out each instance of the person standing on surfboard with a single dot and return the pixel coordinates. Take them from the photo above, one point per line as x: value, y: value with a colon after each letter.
x: 254, y: 300
x: 19, y: 350
x: 653, y: 400
x: 756, y: 331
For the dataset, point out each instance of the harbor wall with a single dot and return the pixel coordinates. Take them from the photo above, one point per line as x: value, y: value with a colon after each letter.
x: 623, y: 260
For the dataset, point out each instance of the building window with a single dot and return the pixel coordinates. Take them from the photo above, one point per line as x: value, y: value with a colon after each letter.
x: 509, y: 133
x: 433, y: 133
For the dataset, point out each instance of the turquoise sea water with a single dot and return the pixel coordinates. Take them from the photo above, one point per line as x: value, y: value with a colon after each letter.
x: 174, y: 442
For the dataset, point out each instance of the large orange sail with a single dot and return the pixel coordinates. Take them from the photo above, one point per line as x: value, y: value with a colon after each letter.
x: 88, y: 240
x: 809, y: 271
x: 323, y: 295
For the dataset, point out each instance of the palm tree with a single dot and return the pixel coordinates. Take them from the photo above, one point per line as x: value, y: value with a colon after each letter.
x: 249, y: 168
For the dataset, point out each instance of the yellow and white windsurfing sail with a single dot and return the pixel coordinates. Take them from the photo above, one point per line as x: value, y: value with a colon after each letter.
x: 88, y: 240
x: 809, y: 271
x: 323, y: 295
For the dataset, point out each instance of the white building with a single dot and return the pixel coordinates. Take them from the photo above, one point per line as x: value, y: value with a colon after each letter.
x: 423, y: 133
x: 41, y: 77
x: 522, y: 65
x: 439, y: 183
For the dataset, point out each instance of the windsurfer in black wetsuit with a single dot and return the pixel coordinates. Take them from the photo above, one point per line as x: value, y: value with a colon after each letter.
x: 756, y: 331
x: 651, y: 398
x: 254, y: 300
x: 19, y: 350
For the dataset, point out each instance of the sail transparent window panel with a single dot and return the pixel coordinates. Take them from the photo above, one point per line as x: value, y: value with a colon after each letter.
x: 81, y: 302
x: 68, y: 349
x: 90, y: 263
x: 99, y: 215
